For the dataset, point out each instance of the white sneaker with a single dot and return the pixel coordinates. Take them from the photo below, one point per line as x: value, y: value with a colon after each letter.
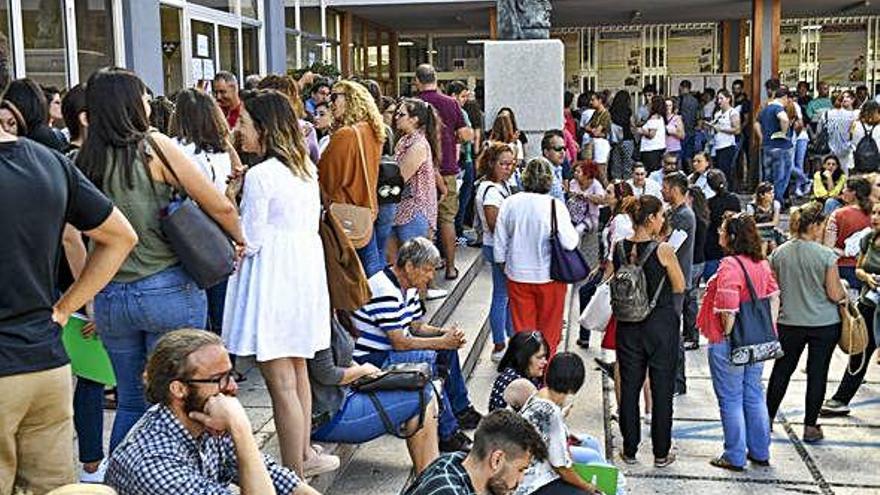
x: 320, y: 464
x: 97, y: 477
x: 648, y: 418
x: 434, y: 294
x: 497, y: 355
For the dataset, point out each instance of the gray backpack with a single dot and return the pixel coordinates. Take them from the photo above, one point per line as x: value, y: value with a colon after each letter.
x: 629, y: 287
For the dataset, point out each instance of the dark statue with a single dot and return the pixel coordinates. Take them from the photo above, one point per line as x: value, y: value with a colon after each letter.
x: 523, y: 19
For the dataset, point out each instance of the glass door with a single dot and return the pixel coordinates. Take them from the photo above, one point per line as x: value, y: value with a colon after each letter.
x: 172, y: 49
x: 214, y: 44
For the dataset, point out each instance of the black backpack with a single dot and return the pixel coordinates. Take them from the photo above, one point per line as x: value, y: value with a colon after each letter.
x: 866, y: 155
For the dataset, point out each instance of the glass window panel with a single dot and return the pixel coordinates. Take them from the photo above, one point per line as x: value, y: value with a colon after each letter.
x: 249, y: 8
x: 202, y: 45
x: 310, y: 19
x: 94, y: 38
x: 172, y: 54
x: 292, y: 62
x: 5, y: 31
x: 222, y: 5
x: 44, y: 41
x: 250, y: 39
x: 312, y: 50
x: 228, y: 49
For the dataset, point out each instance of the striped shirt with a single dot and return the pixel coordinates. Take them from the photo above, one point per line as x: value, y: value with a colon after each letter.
x: 389, y: 310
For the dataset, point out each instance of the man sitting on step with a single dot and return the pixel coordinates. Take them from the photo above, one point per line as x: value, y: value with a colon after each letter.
x: 391, y: 331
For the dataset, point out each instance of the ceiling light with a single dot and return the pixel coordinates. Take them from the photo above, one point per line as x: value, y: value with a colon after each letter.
x: 405, y: 43
x: 476, y: 42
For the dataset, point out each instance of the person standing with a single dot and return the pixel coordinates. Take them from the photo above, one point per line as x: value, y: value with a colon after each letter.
x: 697, y: 202
x: 744, y: 106
x: 683, y: 223
x: 726, y: 124
x: 599, y: 128
x: 810, y: 292
x: 318, y: 93
x: 689, y: 107
x: 839, y: 122
x: 36, y: 427
x: 739, y: 389
x: 649, y: 347
x: 817, y: 107
x: 722, y: 202
x: 553, y: 149
x: 674, y: 129
x: 226, y: 93
x: 653, y: 132
x: 30, y: 100
x: 454, y: 129
x: 623, y: 141
x: 466, y: 158
x: 847, y: 221
x: 776, y: 149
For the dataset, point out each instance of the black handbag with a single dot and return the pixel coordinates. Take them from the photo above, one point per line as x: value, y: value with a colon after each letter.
x: 752, y: 339
x: 390, y: 184
x: 403, y: 376
x: 203, y: 248
x: 566, y: 265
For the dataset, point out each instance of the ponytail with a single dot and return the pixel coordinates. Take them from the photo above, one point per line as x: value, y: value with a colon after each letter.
x: 642, y: 208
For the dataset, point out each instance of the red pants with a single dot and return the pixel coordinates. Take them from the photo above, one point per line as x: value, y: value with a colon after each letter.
x: 538, y: 307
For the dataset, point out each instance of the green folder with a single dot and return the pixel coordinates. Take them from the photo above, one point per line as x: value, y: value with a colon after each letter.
x: 602, y: 476
x: 88, y: 358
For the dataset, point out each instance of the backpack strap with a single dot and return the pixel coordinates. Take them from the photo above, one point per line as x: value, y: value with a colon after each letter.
x: 553, y: 226
x: 652, y: 245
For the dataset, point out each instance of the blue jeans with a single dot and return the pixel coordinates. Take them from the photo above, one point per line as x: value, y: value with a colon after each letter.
x: 777, y: 165
x: 358, y: 421
x: 131, y: 318
x: 382, y: 227
x: 88, y: 419
x: 831, y: 204
x: 418, y: 226
x: 688, y: 147
x: 709, y: 268
x: 465, y: 197
x: 589, y: 451
x: 370, y: 258
x: 499, y: 313
x: 744, y: 416
x: 799, y: 156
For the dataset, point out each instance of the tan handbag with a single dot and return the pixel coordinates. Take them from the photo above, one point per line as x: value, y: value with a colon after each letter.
x: 346, y: 280
x: 356, y: 221
x: 853, y: 333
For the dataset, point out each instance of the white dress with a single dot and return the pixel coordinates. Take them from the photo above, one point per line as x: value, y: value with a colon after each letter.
x: 277, y: 303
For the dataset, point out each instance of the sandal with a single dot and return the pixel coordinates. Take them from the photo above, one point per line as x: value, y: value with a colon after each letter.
x: 723, y: 463
x: 453, y: 276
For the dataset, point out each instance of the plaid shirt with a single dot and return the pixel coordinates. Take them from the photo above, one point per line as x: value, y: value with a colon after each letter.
x: 445, y: 476
x: 160, y: 457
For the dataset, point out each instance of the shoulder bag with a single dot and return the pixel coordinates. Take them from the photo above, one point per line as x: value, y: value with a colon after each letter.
x: 204, y: 249
x: 752, y: 339
x: 346, y: 281
x: 566, y: 265
x: 854, y: 331
x: 390, y: 184
x: 404, y: 376
x: 356, y: 221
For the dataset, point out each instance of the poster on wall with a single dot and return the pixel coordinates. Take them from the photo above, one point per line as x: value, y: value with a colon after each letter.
x: 789, y: 60
x: 842, y: 52
x: 690, y: 51
x: 620, y: 60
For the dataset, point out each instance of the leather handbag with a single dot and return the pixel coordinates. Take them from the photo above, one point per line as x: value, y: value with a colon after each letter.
x: 203, y: 248
x: 346, y: 280
x: 403, y: 376
x: 566, y: 265
x: 391, y: 183
x: 753, y: 339
x: 356, y: 221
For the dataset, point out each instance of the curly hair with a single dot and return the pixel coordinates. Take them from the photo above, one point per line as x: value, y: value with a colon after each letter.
x: 360, y: 107
x: 289, y: 87
x: 489, y: 157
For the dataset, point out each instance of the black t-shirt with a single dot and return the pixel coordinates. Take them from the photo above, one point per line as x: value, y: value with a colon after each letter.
x: 718, y: 205
x: 41, y: 191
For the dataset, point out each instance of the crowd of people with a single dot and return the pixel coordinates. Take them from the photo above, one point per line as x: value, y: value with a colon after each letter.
x: 281, y: 166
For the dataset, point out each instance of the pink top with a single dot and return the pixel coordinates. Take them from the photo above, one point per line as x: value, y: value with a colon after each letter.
x: 420, y: 190
x: 727, y: 289
x: 673, y: 143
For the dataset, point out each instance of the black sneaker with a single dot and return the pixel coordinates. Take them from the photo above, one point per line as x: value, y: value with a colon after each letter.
x: 469, y: 418
x: 605, y: 367
x: 691, y: 345
x: 458, y: 442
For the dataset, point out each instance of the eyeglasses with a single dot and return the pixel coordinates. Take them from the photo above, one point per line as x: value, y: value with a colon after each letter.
x: 223, y: 381
x: 557, y: 149
x: 333, y: 96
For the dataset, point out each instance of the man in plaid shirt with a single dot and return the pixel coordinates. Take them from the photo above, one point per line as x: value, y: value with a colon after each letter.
x: 504, y: 445
x: 196, y: 439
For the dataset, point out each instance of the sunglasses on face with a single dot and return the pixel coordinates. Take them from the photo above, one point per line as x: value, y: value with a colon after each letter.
x: 557, y: 149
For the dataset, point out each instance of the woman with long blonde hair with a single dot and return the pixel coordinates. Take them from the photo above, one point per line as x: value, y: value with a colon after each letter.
x: 349, y: 167
x: 287, y: 86
x: 277, y: 304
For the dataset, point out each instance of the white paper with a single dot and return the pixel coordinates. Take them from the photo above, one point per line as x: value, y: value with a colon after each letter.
x: 202, y: 45
x: 198, y: 73
x: 208, y: 69
x: 677, y: 238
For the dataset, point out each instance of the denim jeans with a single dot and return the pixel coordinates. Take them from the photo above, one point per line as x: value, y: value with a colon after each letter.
x: 418, y: 226
x: 465, y: 215
x: 588, y: 451
x: 831, y: 204
x: 709, y: 268
x: 88, y: 419
x: 799, y: 156
x: 777, y: 165
x: 744, y: 416
x: 370, y: 258
x: 499, y: 313
x: 382, y: 227
x: 131, y: 318
x: 688, y: 147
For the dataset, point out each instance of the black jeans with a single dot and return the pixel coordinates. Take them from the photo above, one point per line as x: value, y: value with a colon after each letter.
x: 820, y: 343
x: 649, y: 345
x: 850, y: 384
x: 652, y: 160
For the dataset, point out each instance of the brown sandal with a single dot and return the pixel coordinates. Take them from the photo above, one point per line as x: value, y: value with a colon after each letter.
x: 723, y: 463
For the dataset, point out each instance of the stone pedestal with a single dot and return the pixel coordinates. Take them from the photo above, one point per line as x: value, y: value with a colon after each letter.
x: 527, y: 76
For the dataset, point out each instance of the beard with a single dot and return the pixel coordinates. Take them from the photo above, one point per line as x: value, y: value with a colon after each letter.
x: 194, y: 402
x: 496, y: 485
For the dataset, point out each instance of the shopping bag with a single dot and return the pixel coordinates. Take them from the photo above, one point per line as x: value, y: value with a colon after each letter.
x: 596, y: 315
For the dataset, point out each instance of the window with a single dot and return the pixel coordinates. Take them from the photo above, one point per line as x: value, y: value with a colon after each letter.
x: 228, y: 47
x: 249, y: 8
x: 4, y: 30
x: 221, y: 5
x: 94, y: 36
x: 250, y: 48
x: 172, y: 52
x: 45, y: 57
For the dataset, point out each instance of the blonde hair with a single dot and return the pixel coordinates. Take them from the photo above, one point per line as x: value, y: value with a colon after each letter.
x: 289, y: 87
x: 360, y: 107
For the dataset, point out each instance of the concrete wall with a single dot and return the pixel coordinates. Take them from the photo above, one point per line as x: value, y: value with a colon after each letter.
x: 276, y: 42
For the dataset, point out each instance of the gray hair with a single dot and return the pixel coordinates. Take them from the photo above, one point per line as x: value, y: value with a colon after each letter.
x: 252, y: 81
x: 227, y: 77
x: 426, y: 74
x: 418, y: 251
x: 538, y: 176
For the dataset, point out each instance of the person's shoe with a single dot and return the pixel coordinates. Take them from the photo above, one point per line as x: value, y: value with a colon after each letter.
x: 497, y: 355
x: 458, y: 442
x: 434, y: 294
x: 469, y: 418
x: 461, y: 241
x: 583, y: 343
x: 691, y: 345
x: 628, y: 460
x: 833, y: 407
x: 723, y: 463
x: 679, y: 393
x: 647, y: 418
x: 320, y: 464
x: 605, y: 367
x: 97, y: 477
x: 663, y: 462
x: 812, y: 434
x: 758, y: 462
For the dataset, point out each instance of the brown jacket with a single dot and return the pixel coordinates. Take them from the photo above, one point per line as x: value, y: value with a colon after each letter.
x: 341, y: 173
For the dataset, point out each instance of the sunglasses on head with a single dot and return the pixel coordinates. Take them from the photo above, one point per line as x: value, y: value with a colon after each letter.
x: 333, y: 96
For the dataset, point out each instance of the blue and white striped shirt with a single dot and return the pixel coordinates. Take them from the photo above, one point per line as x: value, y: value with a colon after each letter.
x: 389, y: 310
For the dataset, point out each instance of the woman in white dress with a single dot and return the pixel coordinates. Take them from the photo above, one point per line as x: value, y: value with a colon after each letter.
x: 277, y: 304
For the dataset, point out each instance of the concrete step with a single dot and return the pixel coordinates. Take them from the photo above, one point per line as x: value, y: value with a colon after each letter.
x: 383, y: 466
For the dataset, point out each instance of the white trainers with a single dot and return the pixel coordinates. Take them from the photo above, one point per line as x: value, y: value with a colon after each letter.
x: 497, y: 355
x: 97, y: 477
x: 434, y: 294
x: 320, y: 464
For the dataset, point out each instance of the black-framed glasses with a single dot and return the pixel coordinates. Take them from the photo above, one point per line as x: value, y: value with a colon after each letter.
x: 223, y: 381
x: 557, y: 149
x: 333, y: 96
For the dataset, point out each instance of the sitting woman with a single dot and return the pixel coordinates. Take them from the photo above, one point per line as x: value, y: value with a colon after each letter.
x: 526, y: 357
x: 544, y: 410
x: 766, y: 210
x: 343, y: 415
x: 828, y: 184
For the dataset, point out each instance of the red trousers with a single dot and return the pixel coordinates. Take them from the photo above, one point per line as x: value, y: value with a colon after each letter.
x: 538, y: 307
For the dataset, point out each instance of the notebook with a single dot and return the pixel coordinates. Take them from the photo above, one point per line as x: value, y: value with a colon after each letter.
x: 88, y: 358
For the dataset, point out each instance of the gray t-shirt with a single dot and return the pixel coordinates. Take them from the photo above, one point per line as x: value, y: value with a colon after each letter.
x: 800, y: 268
x: 684, y: 221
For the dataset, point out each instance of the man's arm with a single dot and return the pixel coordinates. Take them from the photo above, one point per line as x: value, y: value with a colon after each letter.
x: 448, y: 340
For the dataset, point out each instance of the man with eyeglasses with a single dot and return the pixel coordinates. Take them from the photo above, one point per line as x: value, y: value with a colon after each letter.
x: 553, y: 149
x: 641, y: 184
x: 197, y: 437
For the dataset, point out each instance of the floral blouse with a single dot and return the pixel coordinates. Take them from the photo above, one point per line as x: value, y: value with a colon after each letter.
x: 420, y: 190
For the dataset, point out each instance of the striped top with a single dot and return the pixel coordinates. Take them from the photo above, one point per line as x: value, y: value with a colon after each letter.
x: 390, y: 309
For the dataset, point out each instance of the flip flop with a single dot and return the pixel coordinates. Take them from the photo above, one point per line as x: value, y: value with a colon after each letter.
x: 452, y: 277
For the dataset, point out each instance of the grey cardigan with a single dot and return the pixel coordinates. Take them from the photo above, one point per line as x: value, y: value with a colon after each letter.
x: 326, y: 370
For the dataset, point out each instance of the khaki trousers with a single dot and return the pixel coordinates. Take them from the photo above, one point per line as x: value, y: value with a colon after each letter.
x: 36, y: 431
